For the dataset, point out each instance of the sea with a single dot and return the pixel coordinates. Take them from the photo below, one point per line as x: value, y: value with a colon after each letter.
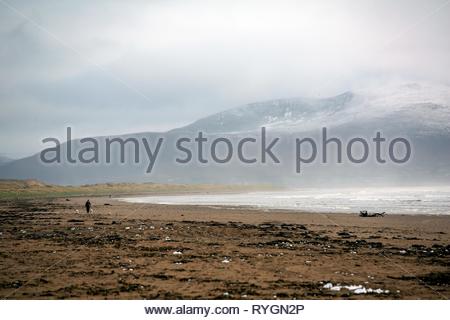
x: 416, y: 200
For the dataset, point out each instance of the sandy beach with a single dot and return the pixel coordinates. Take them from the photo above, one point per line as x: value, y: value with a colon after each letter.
x: 53, y: 249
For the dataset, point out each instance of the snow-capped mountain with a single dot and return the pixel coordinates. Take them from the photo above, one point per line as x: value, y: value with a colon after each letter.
x: 424, y: 104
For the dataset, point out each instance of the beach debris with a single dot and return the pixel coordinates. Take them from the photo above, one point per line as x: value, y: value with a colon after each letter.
x: 330, y: 286
x: 127, y: 228
x: 226, y: 260
x: 356, y: 289
x: 345, y: 234
x: 335, y: 288
x: 178, y: 252
x: 377, y: 291
x: 365, y: 214
x: 361, y: 290
x: 344, y: 273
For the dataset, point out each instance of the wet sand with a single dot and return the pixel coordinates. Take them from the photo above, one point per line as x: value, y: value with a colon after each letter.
x: 49, y: 250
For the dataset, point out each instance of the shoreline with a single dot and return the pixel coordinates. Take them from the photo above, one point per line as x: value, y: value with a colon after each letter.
x: 261, y: 208
x: 395, y: 201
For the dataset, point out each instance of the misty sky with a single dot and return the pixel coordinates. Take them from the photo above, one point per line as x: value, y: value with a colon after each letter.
x: 111, y: 67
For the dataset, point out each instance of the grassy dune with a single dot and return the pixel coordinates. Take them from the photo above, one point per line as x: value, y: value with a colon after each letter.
x: 29, y: 189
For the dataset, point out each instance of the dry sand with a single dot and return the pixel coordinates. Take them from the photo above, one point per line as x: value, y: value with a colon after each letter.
x: 134, y: 251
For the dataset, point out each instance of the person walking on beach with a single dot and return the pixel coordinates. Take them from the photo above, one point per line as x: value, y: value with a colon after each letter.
x: 88, y: 206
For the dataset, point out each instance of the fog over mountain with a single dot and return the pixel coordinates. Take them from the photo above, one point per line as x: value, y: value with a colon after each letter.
x: 419, y: 112
x: 4, y: 160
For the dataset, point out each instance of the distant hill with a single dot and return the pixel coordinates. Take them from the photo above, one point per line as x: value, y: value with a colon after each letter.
x: 24, y: 189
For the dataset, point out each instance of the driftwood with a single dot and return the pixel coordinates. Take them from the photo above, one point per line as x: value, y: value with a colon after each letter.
x: 365, y: 214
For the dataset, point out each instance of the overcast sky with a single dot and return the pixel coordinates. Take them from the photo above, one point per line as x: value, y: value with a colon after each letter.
x: 112, y: 67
